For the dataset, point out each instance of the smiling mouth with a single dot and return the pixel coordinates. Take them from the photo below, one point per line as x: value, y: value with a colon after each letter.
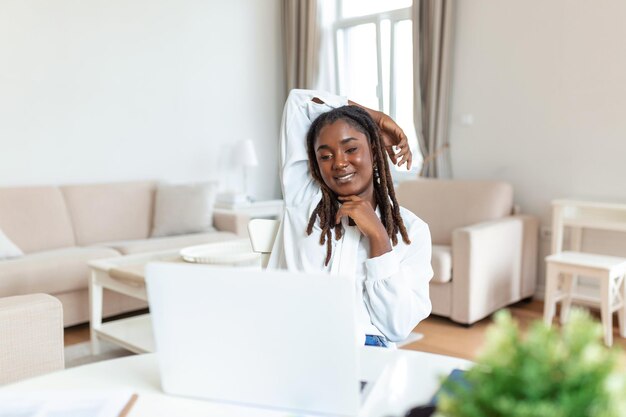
x: 344, y: 178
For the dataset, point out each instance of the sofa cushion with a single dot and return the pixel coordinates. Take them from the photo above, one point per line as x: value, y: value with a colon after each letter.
x: 183, y: 208
x: 442, y: 264
x: 156, y: 244
x: 35, y: 218
x: 105, y: 212
x: 8, y: 249
x: 447, y: 205
x: 50, y: 272
x: 441, y: 299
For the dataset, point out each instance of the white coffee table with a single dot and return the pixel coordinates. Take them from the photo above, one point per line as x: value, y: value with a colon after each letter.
x: 133, y: 333
x: 125, y: 275
x: 407, y: 379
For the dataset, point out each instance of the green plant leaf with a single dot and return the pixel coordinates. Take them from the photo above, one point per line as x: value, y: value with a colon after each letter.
x: 548, y: 373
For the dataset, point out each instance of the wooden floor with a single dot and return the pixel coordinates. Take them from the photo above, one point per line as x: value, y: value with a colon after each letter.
x: 440, y: 334
x: 448, y: 338
x: 76, y: 334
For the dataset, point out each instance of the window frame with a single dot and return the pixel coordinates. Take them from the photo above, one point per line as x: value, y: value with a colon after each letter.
x: 393, y: 16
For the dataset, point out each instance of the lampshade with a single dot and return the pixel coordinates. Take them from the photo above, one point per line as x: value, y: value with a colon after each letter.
x: 244, y: 154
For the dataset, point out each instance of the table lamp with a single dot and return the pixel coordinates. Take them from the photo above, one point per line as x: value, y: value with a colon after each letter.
x: 244, y: 155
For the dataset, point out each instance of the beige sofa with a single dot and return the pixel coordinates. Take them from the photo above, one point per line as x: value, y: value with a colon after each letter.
x: 484, y: 256
x: 61, y: 228
x: 31, y: 336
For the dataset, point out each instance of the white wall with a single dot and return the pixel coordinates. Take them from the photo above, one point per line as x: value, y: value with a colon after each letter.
x: 104, y: 90
x: 546, y: 84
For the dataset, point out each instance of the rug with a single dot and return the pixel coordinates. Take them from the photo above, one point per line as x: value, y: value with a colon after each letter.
x: 80, y: 353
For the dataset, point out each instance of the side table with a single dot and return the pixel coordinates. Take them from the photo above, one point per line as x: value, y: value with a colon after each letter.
x: 257, y: 209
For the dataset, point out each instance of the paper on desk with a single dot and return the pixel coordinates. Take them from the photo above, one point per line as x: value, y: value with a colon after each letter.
x: 64, y: 403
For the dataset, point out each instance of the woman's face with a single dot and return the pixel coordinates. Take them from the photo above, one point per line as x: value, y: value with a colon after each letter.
x: 345, y: 161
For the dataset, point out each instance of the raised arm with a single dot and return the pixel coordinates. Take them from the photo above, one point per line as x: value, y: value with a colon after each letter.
x: 301, y: 108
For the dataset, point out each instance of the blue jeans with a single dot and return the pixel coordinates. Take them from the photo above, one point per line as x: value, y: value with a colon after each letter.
x: 375, y: 340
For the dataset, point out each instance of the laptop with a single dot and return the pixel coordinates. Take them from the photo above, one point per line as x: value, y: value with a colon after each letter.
x: 256, y: 337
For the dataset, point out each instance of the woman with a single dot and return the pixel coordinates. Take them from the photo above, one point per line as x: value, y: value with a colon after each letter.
x: 341, y: 215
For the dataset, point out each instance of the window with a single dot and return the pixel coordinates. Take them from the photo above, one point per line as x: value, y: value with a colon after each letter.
x: 373, y: 60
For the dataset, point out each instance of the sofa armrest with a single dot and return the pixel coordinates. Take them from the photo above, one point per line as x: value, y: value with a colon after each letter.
x: 230, y: 221
x: 486, y: 268
x: 31, y: 336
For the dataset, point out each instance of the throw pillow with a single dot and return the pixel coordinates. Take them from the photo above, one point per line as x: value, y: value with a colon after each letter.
x: 8, y: 249
x: 181, y: 209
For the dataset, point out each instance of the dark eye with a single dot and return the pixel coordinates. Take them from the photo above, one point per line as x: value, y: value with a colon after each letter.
x: 351, y: 150
x: 325, y: 157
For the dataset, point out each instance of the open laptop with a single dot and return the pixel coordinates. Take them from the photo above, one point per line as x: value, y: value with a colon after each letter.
x: 264, y: 338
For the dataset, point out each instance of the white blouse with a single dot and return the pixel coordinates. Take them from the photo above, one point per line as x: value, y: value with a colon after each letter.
x: 393, y: 287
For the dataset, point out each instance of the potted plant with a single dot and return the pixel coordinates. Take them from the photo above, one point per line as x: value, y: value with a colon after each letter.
x: 549, y: 373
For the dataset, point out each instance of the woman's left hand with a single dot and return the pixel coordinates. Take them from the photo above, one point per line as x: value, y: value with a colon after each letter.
x: 363, y: 214
x: 393, y: 135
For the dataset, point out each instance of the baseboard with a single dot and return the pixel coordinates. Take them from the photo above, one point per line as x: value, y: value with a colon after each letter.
x: 540, y: 292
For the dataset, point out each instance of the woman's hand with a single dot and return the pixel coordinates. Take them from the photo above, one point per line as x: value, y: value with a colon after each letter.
x: 392, y: 135
x: 363, y: 214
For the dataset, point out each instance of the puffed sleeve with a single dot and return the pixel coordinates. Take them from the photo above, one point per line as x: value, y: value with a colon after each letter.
x: 299, y: 112
x: 396, y: 285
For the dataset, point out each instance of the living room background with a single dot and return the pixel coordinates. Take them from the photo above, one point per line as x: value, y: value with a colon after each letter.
x: 102, y: 91
x: 544, y: 82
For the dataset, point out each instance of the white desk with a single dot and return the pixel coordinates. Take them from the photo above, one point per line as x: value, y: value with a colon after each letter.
x: 407, y: 379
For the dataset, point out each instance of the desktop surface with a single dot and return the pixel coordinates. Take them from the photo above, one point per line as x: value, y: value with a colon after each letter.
x: 407, y: 378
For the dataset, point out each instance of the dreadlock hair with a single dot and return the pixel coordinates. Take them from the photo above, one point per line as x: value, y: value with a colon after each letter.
x: 385, y: 194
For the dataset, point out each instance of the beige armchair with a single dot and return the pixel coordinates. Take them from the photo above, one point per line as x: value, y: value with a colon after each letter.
x: 31, y: 336
x: 484, y: 254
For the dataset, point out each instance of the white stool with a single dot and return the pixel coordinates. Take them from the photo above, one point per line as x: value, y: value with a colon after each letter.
x: 561, y: 274
x: 262, y: 234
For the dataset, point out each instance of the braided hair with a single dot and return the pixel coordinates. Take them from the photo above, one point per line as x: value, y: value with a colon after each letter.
x: 384, y: 192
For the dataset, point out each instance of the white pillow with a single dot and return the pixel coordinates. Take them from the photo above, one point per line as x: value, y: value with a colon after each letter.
x: 185, y: 208
x: 8, y: 249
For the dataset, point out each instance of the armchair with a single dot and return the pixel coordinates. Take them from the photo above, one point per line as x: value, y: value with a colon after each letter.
x: 484, y: 253
x: 31, y: 336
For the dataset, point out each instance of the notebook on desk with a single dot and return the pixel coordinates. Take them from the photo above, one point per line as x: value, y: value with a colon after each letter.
x: 265, y: 338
